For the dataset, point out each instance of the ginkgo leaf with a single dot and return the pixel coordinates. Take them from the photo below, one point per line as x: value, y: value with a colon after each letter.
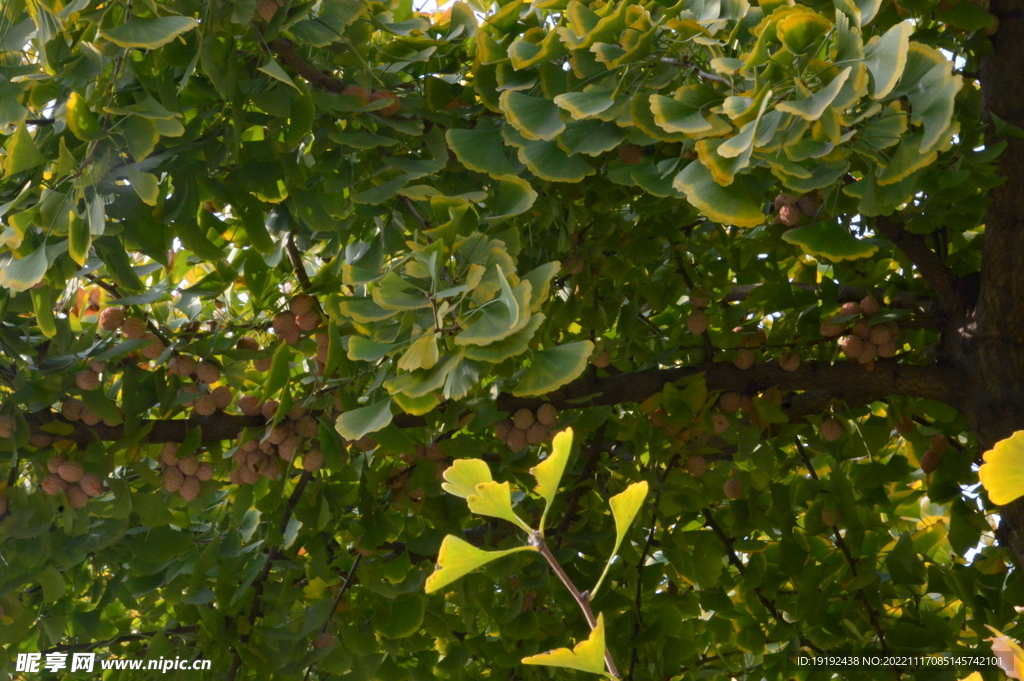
x: 1010, y: 654
x: 549, y: 471
x: 149, y: 33
x: 731, y: 205
x: 417, y: 406
x: 582, y: 105
x: 587, y: 656
x: 830, y: 240
x: 625, y: 506
x: 495, y: 499
x: 422, y: 354
x: 886, y: 57
x: 356, y: 423
x: 535, y: 118
x: 22, y: 152
x: 462, y: 477
x: 457, y: 558
x: 1002, y: 474
x: 552, y: 368
x: 811, y: 108
x: 480, y: 151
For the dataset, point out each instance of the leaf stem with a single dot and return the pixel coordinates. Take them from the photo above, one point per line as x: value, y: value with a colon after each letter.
x: 583, y: 601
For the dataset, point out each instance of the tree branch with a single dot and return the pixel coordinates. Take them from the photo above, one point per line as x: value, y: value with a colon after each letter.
x: 927, y: 262
x: 288, y: 54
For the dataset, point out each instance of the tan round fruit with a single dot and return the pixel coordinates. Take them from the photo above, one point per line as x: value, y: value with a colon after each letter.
x: 246, y: 343
x: 249, y: 405
x: 547, y: 414
x: 516, y: 440
x: 867, y: 352
x: 744, y: 360
x: 939, y: 443
x: 171, y: 478
x: 89, y: 418
x: 91, y: 484
x: 207, y: 372
x: 502, y: 429
x: 308, y: 322
x: 323, y: 345
x: 603, y: 359
x: 87, y: 379
x: 537, y: 433
x: 205, y: 471
x: 312, y: 460
x: 155, y: 347
x: 790, y: 361
x: 248, y: 475
x: 720, y: 422
x: 53, y: 484
x: 696, y: 465
x: 112, y: 318
x: 392, y: 108
x: 523, y: 418
x: 71, y: 409
x: 324, y: 640
x: 697, y: 322
x: 827, y: 517
x: 851, y: 346
x: 301, y: 304
x: 830, y: 330
x: 729, y: 402
x: 278, y: 434
x: 861, y: 330
x: 930, y: 461
x: 879, y: 335
x: 848, y: 309
x: 733, y: 488
x: 40, y: 440
x: 263, y: 364
x: 133, y: 329
x: 76, y: 496
x: 698, y: 301
x: 189, y: 465
x: 271, y: 469
x: 831, y: 430
x: 286, y: 327
x: 235, y: 476
x: 886, y: 350
x: 205, y: 405
x: 169, y: 454
x: 361, y: 93
x: 869, y: 307
x: 307, y: 427
x: 71, y: 471
x: 629, y: 154
x: 189, y: 489
x: 288, y: 447
x: 789, y: 215
x: 269, y: 409
x: 54, y: 462
x: 221, y: 397
x: 365, y: 444
x: 181, y: 366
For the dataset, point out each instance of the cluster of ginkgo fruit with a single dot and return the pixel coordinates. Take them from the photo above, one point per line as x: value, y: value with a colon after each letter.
x: 71, y: 478
x: 291, y: 436
x: 860, y: 340
x: 183, y: 475
x: 791, y: 209
x: 527, y: 428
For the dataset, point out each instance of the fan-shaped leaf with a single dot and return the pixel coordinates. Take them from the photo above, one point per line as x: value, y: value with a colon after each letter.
x: 587, y: 656
x: 458, y: 558
x: 1002, y: 474
x: 831, y: 241
x: 552, y: 368
x: 481, y: 151
x: 886, y: 57
x: 462, y: 477
x: 149, y: 33
x: 535, y: 118
x: 495, y: 499
x: 356, y: 423
x: 730, y: 206
x: 549, y: 471
x: 22, y: 152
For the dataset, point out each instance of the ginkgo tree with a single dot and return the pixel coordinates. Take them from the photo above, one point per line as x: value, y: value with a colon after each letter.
x: 725, y: 294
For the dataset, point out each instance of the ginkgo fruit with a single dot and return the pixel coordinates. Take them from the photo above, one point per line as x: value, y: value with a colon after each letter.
x: 733, y: 488
x: 112, y: 318
x: 697, y: 322
x: 831, y: 430
x: 696, y: 465
x: 71, y: 471
x: 930, y: 461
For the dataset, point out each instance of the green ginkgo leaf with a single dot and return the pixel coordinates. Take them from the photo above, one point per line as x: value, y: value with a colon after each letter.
x: 886, y: 57
x: 625, y: 506
x: 422, y: 354
x: 1002, y: 474
x: 146, y: 185
x: 423, y: 381
x: 480, y: 151
x: 731, y: 206
x: 498, y: 318
x: 366, y: 350
x: 510, y: 346
x: 587, y: 656
x: 810, y: 108
x: 525, y: 54
x: 540, y: 283
x: 550, y: 162
x: 582, y: 105
x: 515, y: 196
x: 356, y: 423
x: 462, y: 477
x: 79, y: 239
x: 22, y: 152
x: 458, y: 558
x: 149, y: 33
x: 82, y: 122
x: 495, y: 499
x: 592, y: 137
x: 417, y: 406
x: 799, y: 31
x: 831, y: 241
x: 21, y: 275
x: 362, y: 310
x: 552, y: 368
x: 535, y: 118
x: 549, y: 471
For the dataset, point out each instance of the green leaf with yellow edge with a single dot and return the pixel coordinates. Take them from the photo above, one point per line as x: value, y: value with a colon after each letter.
x: 42, y: 304
x: 801, y: 31
x: 547, y: 160
x: 145, y: 185
x: 930, y: 86
x: 496, y: 319
x: 79, y: 239
x: 587, y: 656
x: 592, y: 137
x: 141, y: 135
x: 462, y: 477
x: 458, y: 558
x: 515, y: 196
x: 510, y: 346
x: 274, y: 70
x: 417, y: 406
x: 82, y: 122
x: 1002, y: 474
x: 583, y: 105
x: 22, y: 152
x: 540, y: 283
x: 149, y: 33
x: 356, y: 423
x: 552, y: 368
x: 643, y: 118
x: 280, y: 369
x: 729, y: 206
x: 549, y: 471
x: 362, y: 310
x: 21, y: 275
x: 423, y: 381
x: 495, y: 499
x: 535, y: 118
x: 480, y: 151
x: 831, y: 241
x: 366, y: 350
x: 625, y: 506
x: 810, y: 108
x: 525, y: 54
x: 904, y: 160
x: 886, y: 57
x: 422, y: 354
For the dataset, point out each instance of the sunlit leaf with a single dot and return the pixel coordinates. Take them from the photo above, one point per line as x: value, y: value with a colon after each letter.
x: 552, y: 368
x: 458, y: 558
x: 356, y: 423
x: 462, y: 477
x: 549, y: 471
x: 587, y: 656
x: 730, y: 206
x: 1002, y: 474
x: 534, y: 117
x: 886, y: 57
x: 22, y: 153
x: 625, y: 506
x: 495, y: 499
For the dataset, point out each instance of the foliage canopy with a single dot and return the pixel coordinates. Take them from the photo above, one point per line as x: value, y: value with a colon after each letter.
x: 283, y: 283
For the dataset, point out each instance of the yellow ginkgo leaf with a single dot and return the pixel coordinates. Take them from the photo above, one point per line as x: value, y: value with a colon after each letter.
x: 458, y: 557
x: 495, y: 499
x: 462, y: 477
x: 1011, y: 656
x: 422, y: 354
x: 625, y: 506
x: 587, y: 656
x: 1002, y: 474
x: 549, y: 471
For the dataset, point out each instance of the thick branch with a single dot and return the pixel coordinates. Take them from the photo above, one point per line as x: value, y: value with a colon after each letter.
x: 286, y: 51
x: 927, y: 262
